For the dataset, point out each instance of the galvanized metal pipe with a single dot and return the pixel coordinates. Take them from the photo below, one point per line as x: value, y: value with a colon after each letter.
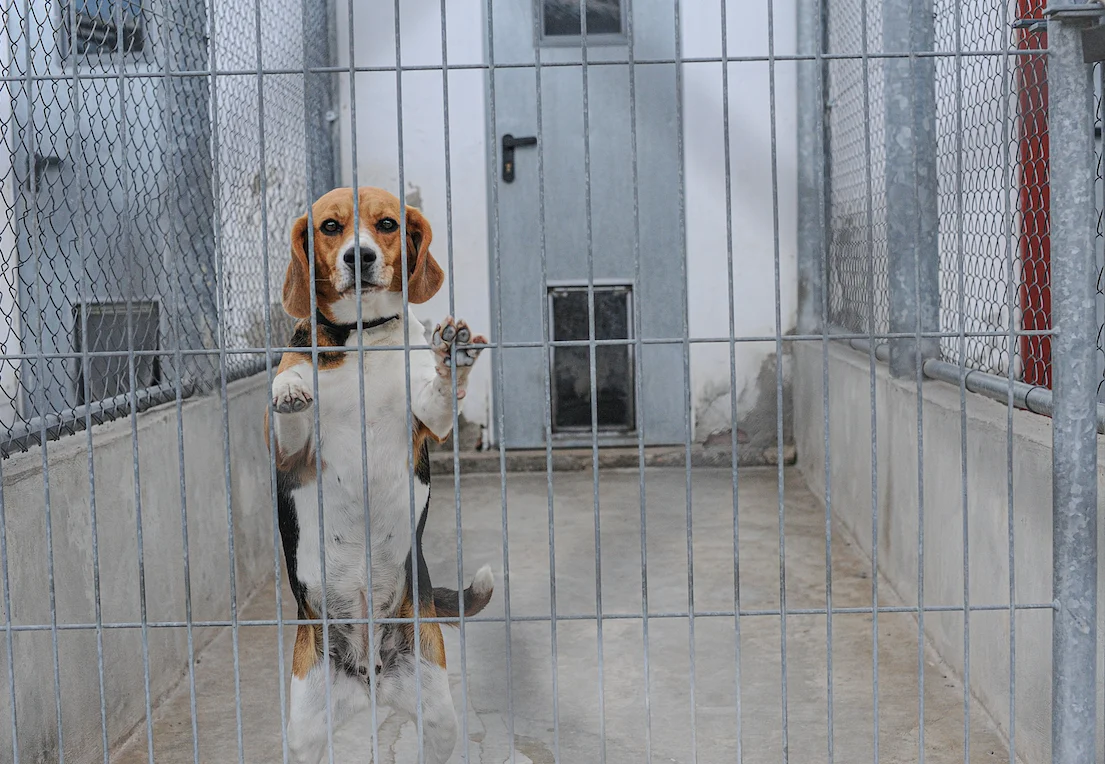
x: 811, y: 166
x: 1074, y: 381
x: 1034, y: 398
x: 912, y: 186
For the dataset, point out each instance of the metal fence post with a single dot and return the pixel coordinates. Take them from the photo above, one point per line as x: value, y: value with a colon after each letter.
x: 912, y: 224
x: 190, y: 199
x: 321, y: 117
x: 1074, y: 432
x: 811, y: 78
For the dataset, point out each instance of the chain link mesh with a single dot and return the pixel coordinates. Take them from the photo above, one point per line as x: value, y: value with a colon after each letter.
x: 991, y: 174
x: 139, y: 210
x: 856, y: 159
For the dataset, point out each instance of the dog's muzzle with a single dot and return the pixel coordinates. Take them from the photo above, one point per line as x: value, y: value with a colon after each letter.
x: 368, y: 265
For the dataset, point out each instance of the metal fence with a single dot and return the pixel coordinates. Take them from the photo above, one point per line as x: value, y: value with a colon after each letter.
x: 159, y: 154
x: 947, y: 233
x: 987, y: 163
x: 132, y: 248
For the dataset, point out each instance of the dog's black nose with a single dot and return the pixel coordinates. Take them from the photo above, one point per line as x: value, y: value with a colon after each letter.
x: 368, y: 257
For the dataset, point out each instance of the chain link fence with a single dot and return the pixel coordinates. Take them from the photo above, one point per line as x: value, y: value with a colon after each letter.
x: 134, y: 249
x: 990, y: 147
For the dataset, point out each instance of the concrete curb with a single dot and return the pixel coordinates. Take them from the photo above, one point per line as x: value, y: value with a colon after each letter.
x: 579, y: 459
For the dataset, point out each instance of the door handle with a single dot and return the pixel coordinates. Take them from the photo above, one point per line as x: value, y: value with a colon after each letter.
x: 509, y: 144
x: 40, y: 164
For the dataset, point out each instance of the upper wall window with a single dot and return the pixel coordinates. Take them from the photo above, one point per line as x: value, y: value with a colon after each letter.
x: 103, y: 25
x: 560, y: 21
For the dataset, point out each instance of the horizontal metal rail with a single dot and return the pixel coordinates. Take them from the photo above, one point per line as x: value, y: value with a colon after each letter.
x: 605, y: 616
x: 1034, y: 398
x: 138, y: 75
x: 69, y: 421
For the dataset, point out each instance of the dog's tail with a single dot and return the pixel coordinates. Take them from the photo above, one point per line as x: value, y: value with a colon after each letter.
x: 476, y: 596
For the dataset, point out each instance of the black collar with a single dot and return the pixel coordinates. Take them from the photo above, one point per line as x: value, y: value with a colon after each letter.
x: 371, y: 324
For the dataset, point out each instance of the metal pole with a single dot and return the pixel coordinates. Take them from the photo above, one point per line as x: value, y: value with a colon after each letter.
x: 190, y: 200
x: 319, y: 94
x: 912, y: 225
x: 811, y: 165
x: 1074, y: 432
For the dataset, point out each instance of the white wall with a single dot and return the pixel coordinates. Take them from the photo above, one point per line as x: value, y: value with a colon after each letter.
x: 753, y: 216
x: 9, y: 313
x: 377, y: 160
x: 750, y: 132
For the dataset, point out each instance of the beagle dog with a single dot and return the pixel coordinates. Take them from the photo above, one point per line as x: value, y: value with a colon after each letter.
x: 328, y: 567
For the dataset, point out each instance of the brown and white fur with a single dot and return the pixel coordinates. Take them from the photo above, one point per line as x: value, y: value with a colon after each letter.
x: 387, y: 437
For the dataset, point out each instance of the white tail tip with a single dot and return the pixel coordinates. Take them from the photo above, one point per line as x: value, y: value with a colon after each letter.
x: 484, y: 580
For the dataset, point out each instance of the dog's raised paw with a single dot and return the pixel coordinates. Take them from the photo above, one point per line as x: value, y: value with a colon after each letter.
x: 290, y: 395
x: 455, y: 333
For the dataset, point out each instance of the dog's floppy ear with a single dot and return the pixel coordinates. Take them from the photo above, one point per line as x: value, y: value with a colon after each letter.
x: 297, y: 281
x: 425, y: 275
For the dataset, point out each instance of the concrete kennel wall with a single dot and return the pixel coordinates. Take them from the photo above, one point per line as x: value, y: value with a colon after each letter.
x: 114, y: 450
x: 987, y: 497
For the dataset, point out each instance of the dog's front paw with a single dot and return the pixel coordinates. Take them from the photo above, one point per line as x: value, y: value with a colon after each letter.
x: 450, y: 334
x: 290, y: 394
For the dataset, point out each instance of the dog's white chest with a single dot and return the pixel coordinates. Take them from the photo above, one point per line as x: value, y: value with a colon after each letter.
x: 365, y: 480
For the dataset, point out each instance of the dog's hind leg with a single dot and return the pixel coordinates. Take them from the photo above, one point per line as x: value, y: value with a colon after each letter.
x: 399, y: 689
x: 307, y: 712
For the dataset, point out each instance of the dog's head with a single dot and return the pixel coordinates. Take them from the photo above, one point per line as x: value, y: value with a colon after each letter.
x: 375, y: 275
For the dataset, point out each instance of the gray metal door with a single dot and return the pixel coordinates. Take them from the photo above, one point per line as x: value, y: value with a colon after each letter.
x: 597, y: 245
x: 88, y: 170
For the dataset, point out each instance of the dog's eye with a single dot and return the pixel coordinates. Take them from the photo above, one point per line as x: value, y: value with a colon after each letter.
x: 330, y: 227
x: 387, y: 225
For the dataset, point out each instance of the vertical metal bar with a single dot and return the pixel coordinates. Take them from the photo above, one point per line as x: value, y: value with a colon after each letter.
x: 1010, y: 303
x: 370, y: 605
x: 780, y: 462
x: 220, y: 287
x: 8, y: 623
x: 271, y: 419
x: 872, y: 390
x: 961, y: 288
x: 313, y: 318
x: 40, y: 403
x: 177, y: 340
x: 912, y: 224
x: 638, y: 370
x: 404, y: 255
x: 1074, y: 437
x: 806, y: 271
x: 592, y: 373
x: 546, y: 366
x: 6, y: 585
x: 918, y: 105
x: 85, y: 287
x: 462, y: 626
x: 132, y: 377
x: 500, y: 428
x: 813, y: 38
x: 687, y: 402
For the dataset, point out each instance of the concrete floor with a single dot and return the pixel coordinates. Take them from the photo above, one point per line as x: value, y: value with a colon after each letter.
x: 515, y: 716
